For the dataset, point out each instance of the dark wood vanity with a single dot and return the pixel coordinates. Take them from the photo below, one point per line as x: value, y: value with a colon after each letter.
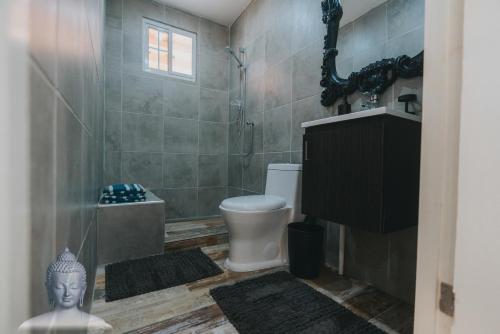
x: 363, y: 171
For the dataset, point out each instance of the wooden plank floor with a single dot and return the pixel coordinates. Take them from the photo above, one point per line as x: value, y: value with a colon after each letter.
x: 189, y: 308
x: 199, y: 233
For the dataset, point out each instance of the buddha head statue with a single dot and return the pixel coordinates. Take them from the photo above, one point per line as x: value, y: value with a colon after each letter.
x: 66, y: 281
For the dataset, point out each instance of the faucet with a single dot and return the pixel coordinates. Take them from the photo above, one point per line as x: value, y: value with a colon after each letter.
x: 372, y: 102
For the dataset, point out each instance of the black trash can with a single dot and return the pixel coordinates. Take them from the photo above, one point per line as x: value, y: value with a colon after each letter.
x: 305, y: 249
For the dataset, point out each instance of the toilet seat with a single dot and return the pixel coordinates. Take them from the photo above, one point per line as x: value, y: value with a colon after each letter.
x: 254, y: 203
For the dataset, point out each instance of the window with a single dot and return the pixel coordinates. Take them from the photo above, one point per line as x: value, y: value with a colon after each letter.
x: 169, y: 51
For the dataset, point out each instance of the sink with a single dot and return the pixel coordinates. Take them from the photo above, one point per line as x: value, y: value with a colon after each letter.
x: 362, y: 114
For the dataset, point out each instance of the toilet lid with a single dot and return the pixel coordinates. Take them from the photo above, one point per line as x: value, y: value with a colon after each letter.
x: 254, y: 203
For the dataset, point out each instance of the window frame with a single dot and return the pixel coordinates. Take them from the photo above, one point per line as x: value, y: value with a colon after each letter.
x: 162, y: 27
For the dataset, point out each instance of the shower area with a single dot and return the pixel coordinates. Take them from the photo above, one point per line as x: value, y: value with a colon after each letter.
x: 186, y: 140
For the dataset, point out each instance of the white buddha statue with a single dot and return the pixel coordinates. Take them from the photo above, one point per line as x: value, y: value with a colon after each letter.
x: 66, y: 283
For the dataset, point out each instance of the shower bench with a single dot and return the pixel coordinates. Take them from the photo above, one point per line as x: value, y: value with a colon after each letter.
x: 130, y: 230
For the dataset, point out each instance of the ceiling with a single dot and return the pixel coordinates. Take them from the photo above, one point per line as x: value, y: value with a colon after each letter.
x: 224, y: 12
x: 355, y: 8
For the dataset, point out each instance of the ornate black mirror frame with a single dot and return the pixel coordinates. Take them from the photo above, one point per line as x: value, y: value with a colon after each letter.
x: 372, y: 79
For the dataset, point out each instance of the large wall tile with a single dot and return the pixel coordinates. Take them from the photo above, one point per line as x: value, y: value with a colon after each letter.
x: 345, y: 67
x: 234, y: 171
x: 278, y: 85
x: 180, y: 135
x: 213, y: 39
x: 213, y: 73
x: 296, y: 157
x: 237, y: 32
x: 410, y: 44
x: 403, y: 263
x: 142, y: 95
x: 143, y: 168
x: 277, y: 124
x: 142, y: 133
x: 113, y: 138
x: 256, y: 58
x: 135, y: 10
x: 255, y: 94
x: 305, y: 110
x: 308, y: 25
x: 235, y: 138
x: 179, y: 203
x: 132, y: 54
x: 213, y: 138
x: 113, y: 54
x: 252, y: 173
x: 366, y: 257
x: 234, y: 192
x: 114, y: 13
x: 370, y: 30
x: 367, y: 56
x: 214, y: 105
x: 182, y: 101
x: 278, y: 44
x: 180, y: 170
x: 346, y: 41
x: 212, y: 170
x: 180, y: 19
x: 306, y: 74
x: 112, y: 167
x: 404, y: 15
x: 113, y: 91
x: 209, y: 200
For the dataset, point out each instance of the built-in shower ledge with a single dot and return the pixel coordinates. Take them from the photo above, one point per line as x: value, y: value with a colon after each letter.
x: 193, y: 234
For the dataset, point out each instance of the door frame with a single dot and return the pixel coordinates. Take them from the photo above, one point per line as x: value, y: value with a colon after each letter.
x: 439, y: 161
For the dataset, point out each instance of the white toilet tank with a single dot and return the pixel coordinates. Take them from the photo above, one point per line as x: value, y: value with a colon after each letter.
x: 285, y: 180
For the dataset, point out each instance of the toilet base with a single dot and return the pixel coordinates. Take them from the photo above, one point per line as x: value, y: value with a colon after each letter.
x: 244, y: 267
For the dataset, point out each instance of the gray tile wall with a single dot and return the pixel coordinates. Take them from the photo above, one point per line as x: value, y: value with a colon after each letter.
x: 284, y: 40
x: 67, y: 117
x: 170, y: 135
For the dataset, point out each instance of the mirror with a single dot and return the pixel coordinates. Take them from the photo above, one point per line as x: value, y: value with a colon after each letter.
x: 372, y: 78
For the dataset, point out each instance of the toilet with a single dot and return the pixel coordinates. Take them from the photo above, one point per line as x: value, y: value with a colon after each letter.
x: 257, y: 223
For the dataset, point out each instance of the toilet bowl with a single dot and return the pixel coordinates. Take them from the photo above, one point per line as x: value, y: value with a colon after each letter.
x: 257, y: 223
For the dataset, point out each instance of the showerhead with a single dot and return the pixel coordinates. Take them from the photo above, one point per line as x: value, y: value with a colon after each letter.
x: 232, y: 53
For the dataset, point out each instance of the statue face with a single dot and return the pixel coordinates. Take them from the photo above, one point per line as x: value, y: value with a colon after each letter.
x: 67, y: 289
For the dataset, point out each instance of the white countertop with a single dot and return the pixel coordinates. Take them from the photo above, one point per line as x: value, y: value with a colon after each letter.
x: 361, y: 114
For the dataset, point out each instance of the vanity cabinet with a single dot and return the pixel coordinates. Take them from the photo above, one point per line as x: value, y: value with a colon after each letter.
x: 363, y: 172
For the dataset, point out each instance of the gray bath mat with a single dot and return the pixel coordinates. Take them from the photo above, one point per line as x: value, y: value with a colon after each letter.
x: 280, y: 304
x: 139, y: 276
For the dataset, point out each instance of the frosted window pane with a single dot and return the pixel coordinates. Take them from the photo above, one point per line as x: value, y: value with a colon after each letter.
x: 153, y: 38
x: 182, y: 54
x: 163, y: 61
x: 164, y: 41
x: 153, y: 59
